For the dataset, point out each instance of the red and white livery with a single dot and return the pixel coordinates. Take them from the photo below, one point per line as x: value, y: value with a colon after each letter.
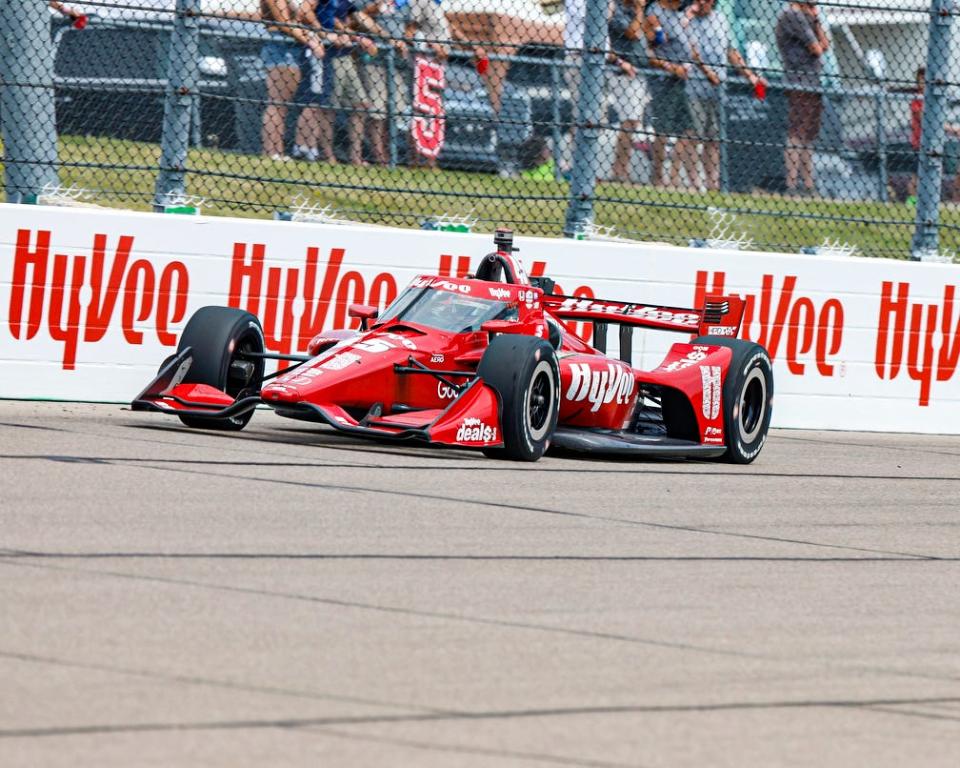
x: 488, y: 362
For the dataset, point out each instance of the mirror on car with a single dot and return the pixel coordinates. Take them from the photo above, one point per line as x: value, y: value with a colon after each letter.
x: 364, y: 312
x: 502, y: 326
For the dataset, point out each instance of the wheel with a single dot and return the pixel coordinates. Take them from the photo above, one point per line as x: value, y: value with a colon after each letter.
x: 524, y: 372
x: 221, y: 339
x: 747, y: 398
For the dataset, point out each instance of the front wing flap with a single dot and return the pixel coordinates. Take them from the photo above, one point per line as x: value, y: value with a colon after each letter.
x: 167, y: 394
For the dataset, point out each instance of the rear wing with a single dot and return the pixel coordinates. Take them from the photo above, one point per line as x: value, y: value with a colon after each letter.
x: 719, y: 316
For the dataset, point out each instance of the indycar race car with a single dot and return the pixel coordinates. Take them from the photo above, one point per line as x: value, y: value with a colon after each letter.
x: 487, y: 362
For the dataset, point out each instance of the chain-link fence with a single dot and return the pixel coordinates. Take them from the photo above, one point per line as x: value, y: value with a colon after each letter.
x: 740, y: 123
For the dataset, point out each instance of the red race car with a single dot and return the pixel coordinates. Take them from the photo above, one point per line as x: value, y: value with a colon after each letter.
x: 487, y: 362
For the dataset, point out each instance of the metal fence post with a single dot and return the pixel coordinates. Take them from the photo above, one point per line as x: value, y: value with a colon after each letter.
x: 926, y: 237
x: 724, y: 139
x: 883, y: 172
x: 583, y: 174
x: 183, y: 75
x: 391, y: 67
x: 26, y: 100
x: 556, y: 72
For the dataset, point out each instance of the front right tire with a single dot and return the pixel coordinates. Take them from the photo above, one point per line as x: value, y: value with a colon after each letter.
x: 747, y: 398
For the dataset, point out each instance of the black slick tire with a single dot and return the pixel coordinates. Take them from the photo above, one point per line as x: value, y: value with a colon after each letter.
x: 221, y: 338
x: 525, y: 374
x: 747, y: 398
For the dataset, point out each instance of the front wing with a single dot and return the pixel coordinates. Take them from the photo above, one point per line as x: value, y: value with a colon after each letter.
x: 471, y: 420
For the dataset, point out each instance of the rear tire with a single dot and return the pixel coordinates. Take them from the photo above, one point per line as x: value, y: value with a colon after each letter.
x: 747, y: 398
x: 525, y: 374
x: 221, y: 337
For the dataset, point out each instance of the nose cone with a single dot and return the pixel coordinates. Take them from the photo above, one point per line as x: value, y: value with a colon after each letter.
x: 356, y: 373
x: 275, y: 392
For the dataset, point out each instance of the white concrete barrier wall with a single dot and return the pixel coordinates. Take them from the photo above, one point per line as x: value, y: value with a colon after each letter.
x: 92, y: 301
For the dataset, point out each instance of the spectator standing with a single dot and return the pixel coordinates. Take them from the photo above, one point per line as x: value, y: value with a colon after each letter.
x: 314, y: 136
x: 712, y: 50
x: 671, y: 107
x: 338, y: 19
x: 802, y: 42
x: 384, y: 20
x: 282, y: 56
x: 629, y: 36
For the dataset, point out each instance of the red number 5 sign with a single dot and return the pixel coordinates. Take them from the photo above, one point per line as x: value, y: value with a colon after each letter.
x: 428, y: 123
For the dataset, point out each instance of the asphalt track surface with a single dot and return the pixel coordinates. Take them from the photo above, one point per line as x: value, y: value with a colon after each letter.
x: 289, y: 596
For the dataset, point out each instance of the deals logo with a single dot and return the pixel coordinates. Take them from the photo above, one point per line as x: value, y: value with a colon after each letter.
x: 600, y: 387
x: 476, y: 431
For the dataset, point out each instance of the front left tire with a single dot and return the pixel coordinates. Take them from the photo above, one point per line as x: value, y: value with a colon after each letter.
x: 225, y: 342
x: 526, y: 375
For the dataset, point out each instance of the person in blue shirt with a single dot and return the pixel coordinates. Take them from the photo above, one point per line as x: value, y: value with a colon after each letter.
x: 342, y: 19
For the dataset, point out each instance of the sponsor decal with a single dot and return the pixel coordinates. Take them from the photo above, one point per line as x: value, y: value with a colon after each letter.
x: 341, y: 361
x: 693, y: 357
x: 600, y: 387
x: 272, y: 293
x: 436, y: 357
x: 134, y: 293
x: 476, y: 431
x: 445, y: 392
x: 710, y: 375
x: 402, y: 340
x: 446, y: 285
x: 713, y: 436
x: 301, y: 376
x: 689, y: 320
x: 384, y: 343
x: 500, y: 293
x: 787, y: 325
x: 721, y: 330
x: 924, y: 336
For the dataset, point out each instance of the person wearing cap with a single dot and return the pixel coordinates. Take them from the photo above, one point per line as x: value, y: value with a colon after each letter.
x: 713, y: 48
x: 802, y: 41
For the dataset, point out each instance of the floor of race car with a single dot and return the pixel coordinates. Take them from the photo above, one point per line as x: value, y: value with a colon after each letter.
x: 291, y: 596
